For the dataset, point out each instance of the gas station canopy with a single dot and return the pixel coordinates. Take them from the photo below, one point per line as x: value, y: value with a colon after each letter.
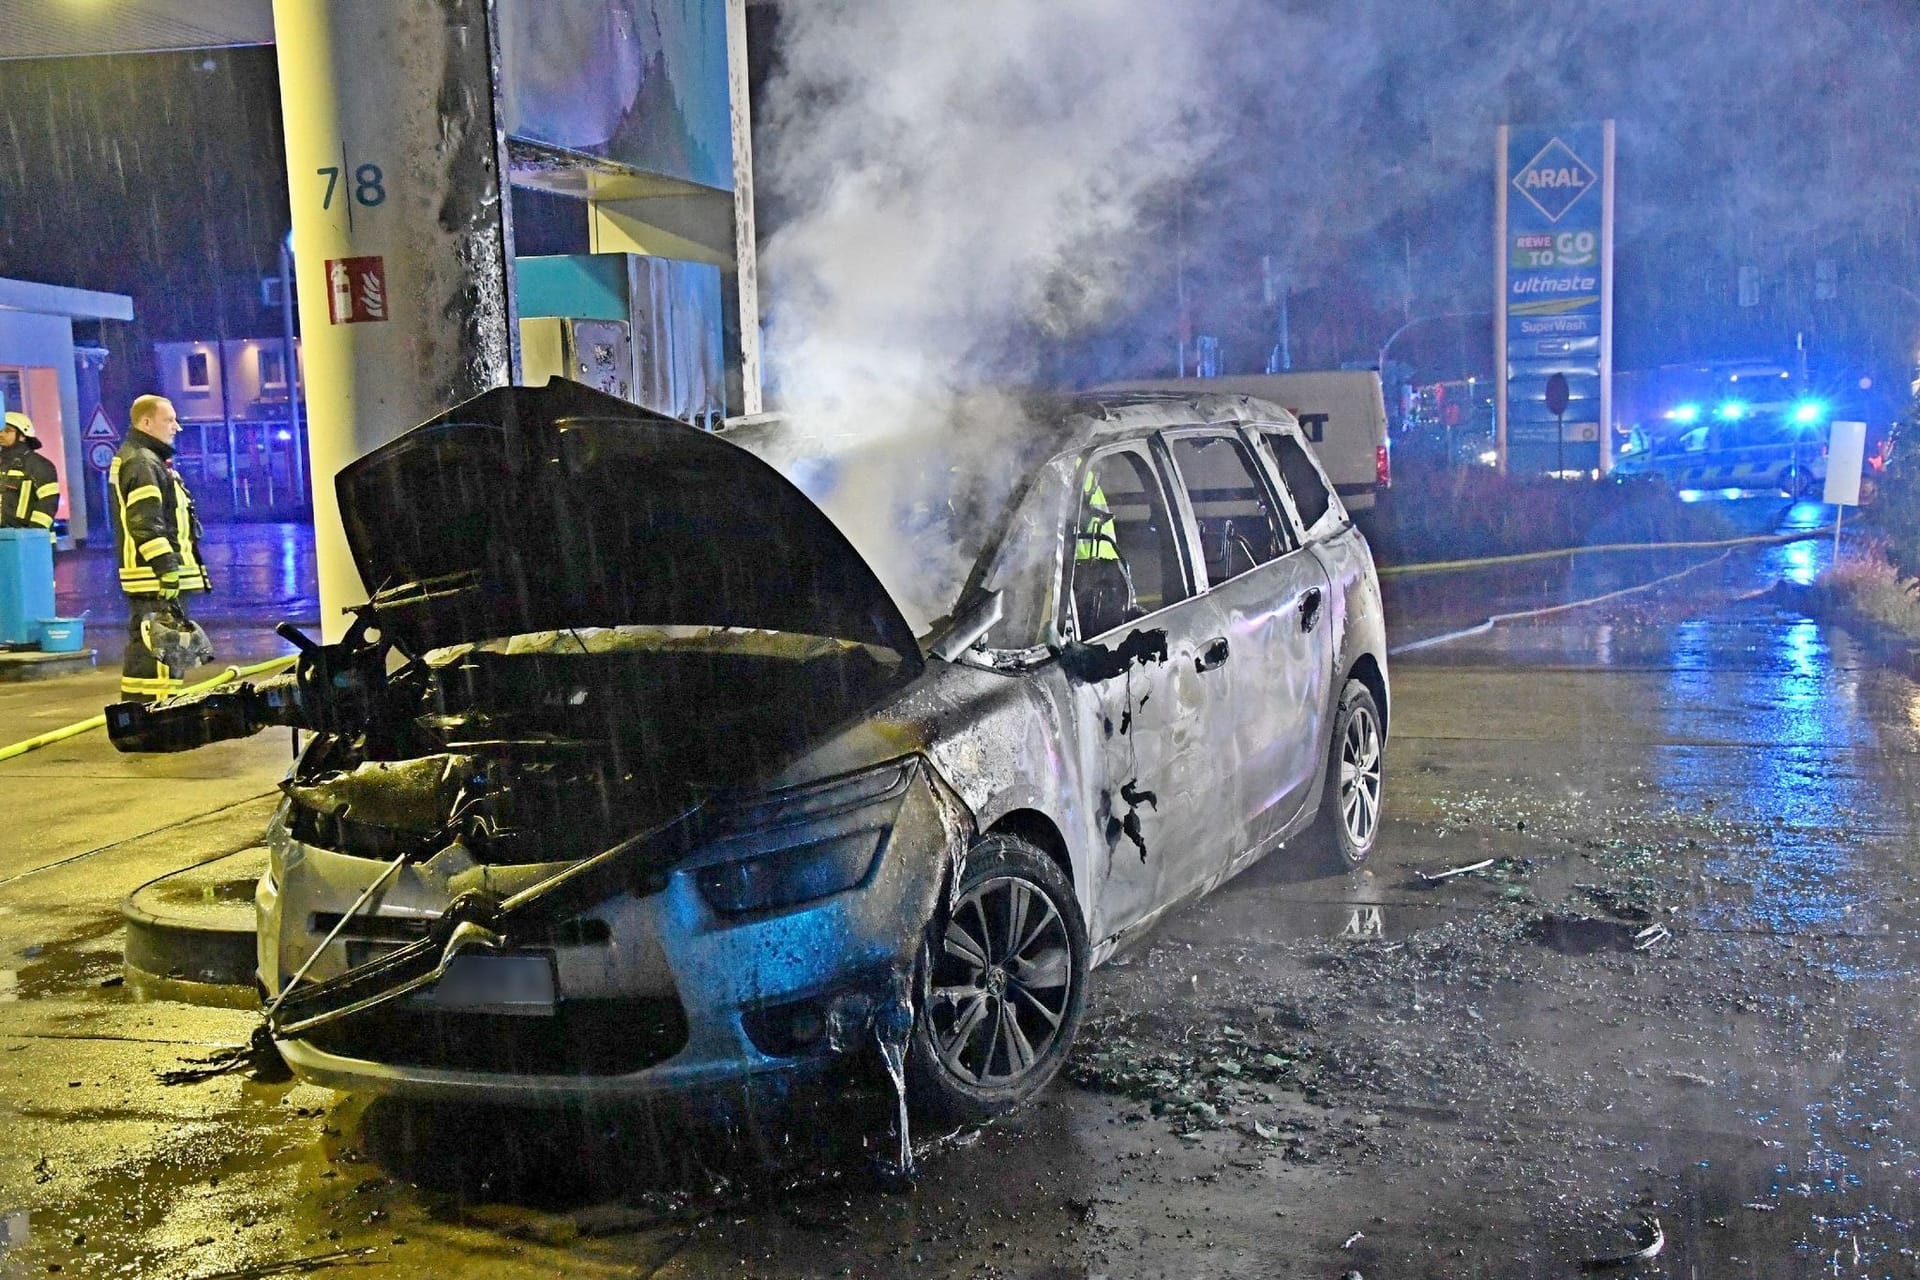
x: 66, y: 28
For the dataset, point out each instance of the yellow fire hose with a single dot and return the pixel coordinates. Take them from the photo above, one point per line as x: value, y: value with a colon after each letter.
x: 99, y: 722
x: 1481, y: 628
x: 1388, y: 571
x: 1487, y: 562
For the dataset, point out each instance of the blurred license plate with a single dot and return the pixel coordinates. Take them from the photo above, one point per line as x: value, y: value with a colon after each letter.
x: 519, y: 985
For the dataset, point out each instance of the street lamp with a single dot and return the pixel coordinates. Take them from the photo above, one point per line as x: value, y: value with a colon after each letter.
x: 1381, y: 363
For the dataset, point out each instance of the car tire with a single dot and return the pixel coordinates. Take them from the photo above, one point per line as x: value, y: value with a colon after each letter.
x: 988, y: 1035
x: 1348, y: 824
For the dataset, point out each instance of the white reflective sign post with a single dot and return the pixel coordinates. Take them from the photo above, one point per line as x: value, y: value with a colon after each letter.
x: 1846, y: 456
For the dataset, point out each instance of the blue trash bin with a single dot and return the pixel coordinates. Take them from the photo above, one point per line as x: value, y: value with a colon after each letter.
x: 26, y: 584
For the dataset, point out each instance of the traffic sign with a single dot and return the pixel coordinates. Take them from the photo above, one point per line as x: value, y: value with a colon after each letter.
x: 98, y: 427
x: 1846, y: 458
x: 1558, y: 393
x: 100, y: 454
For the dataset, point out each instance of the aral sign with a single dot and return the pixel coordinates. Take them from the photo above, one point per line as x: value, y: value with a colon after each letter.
x: 1554, y: 305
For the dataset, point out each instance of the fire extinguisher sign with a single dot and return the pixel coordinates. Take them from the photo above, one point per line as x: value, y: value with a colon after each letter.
x: 356, y: 290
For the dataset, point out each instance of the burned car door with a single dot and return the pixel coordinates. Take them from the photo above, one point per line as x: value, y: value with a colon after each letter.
x: 1142, y: 697
x: 1272, y: 599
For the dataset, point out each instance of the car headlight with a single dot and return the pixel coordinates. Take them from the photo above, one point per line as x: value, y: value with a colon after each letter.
x: 807, y: 842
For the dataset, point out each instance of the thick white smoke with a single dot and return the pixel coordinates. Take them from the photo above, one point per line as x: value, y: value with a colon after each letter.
x: 959, y: 173
x: 955, y: 178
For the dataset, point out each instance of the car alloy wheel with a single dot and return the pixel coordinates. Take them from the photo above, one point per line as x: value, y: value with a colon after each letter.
x: 1360, y: 776
x: 1348, y: 823
x: 1002, y: 981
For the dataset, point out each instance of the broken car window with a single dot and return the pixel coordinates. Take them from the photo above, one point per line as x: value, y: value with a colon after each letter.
x: 1027, y: 567
x: 1125, y: 561
x: 1308, y: 490
x: 1239, y: 528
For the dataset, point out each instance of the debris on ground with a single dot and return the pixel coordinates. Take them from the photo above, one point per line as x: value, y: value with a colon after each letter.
x: 1651, y: 936
x: 1196, y: 1083
x: 1656, y: 1240
x: 1435, y: 877
x: 1576, y: 935
x: 259, y: 1058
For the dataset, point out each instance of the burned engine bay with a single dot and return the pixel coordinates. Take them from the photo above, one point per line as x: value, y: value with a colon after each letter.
x: 551, y: 747
x: 614, y: 752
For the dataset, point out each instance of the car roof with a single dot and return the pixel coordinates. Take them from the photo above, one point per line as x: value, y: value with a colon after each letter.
x: 1097, y: 416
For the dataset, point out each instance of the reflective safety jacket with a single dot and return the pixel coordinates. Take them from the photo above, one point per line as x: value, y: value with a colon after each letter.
x: 156, y: 531
x: 1094, y: 539
x: 29, y: 488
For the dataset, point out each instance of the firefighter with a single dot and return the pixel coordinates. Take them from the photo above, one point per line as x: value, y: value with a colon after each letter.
x: 1094, y: 540
x: 29, y: 484
x: 157, y: 536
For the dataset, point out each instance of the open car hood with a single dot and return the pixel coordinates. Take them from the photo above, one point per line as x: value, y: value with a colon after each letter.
x: 533, y: 509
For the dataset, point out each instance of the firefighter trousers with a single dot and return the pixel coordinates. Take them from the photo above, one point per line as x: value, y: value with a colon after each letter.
x: 143, y: 677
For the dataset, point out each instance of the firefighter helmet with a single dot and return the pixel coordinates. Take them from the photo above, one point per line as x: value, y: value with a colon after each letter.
x: 176, y: 642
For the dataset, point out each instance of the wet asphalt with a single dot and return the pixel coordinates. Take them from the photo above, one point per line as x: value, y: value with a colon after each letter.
x: 1679, y: 994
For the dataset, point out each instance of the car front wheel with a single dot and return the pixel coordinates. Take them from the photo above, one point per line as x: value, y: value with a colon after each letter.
x: 1002, y: 981
x: 1350, y: 808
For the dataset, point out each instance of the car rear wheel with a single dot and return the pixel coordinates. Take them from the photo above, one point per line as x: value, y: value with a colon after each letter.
x: 1348, y: 824
x: 1001, y: 984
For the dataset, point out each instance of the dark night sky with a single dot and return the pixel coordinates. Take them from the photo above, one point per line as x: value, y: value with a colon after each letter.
x: 154, y: 175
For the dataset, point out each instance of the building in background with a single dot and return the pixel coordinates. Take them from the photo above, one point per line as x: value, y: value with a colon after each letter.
x: 45, y: 375
x: 242, y: 446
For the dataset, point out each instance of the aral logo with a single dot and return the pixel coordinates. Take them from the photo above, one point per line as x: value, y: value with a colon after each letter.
x: 1555, y: 180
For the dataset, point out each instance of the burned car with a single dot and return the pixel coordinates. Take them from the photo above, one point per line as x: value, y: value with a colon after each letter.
x: 633, y: 776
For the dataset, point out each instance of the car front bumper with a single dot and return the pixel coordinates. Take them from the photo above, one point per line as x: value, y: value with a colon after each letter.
x: 651, y: 993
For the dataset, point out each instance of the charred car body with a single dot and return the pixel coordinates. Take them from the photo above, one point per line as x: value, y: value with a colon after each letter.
x: 633, y: 777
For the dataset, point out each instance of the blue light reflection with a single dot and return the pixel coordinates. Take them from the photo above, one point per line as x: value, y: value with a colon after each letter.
x: 1788, y: 849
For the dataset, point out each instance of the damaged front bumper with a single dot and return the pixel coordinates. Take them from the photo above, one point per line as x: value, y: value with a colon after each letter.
x: 763, y: 952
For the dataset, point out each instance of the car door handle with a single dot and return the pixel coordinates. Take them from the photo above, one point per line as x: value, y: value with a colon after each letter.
x: 1310, y: 608
x: 1214, y: 655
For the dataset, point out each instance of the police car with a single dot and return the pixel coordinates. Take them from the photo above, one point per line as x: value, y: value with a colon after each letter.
x: 1733, y: 447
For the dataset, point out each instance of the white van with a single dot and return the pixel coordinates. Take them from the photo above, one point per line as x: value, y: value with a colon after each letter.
x: 1342, y: 412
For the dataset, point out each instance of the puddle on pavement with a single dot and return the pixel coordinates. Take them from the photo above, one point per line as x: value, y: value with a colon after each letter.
x: 1729, y: 1205
x: 222, y: 1191
x: 73, y: 964
x: 1270, y: 920
x: 185, y: 891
